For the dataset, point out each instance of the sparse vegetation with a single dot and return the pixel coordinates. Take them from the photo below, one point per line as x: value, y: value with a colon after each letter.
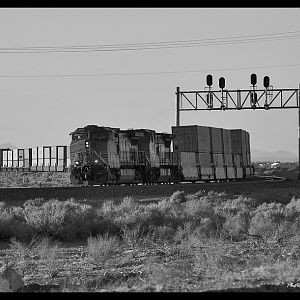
x: 101, y: 248
x: 209, y: 239
x: 13, y: 179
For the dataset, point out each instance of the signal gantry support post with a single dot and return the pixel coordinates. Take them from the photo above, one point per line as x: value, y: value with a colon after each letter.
x: 299, y: 133
x: 260, y: 99
x: 178, y: 106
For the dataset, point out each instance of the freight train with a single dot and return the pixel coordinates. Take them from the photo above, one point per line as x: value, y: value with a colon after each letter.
x: 101, y: 155
x: 105, y: 155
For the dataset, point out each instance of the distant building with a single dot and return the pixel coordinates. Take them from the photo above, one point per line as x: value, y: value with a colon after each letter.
x: 275, y: 165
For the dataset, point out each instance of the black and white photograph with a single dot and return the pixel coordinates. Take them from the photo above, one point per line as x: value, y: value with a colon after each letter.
x: 149, y: 149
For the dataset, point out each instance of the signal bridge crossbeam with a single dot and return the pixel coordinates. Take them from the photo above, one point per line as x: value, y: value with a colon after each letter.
x: 237, y: 99
x: 262, y: 99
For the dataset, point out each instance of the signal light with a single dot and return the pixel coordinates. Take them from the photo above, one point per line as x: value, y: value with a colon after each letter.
x: 209, y: 80
x: 253, y: 79
x: 222, y: 82
x: 266, y: 81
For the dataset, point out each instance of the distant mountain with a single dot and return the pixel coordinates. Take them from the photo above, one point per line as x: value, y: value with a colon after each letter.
x: 281, y: 155
x: 3, y: 146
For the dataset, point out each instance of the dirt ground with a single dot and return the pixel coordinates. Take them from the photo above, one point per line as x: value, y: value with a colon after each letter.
x: 158, y: 268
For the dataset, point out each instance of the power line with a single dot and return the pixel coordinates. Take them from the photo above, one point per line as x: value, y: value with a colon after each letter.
x: 145, y: 73
x: 156, y: 45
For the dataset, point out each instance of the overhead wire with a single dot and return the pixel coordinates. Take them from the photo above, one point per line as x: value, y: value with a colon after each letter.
x: 155, y: 45
x: 146, y: 73
x: 162, y: 42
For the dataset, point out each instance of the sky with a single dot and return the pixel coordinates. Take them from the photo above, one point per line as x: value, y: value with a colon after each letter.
x: 46, y: 95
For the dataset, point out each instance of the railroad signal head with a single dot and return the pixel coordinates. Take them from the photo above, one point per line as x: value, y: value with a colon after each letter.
x: 209, y: 80
x: 222, y: 82
x: 253, y: 79
x: 266, y: 81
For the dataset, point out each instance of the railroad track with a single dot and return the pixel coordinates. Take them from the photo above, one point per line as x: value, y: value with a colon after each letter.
x: 101, y: 193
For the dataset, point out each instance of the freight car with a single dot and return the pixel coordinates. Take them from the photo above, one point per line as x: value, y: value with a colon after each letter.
x: 42, y: 158
x: 105, y: 155
x: 209, y: 153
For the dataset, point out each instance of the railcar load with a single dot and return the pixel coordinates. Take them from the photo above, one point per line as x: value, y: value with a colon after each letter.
x: 35, y: 159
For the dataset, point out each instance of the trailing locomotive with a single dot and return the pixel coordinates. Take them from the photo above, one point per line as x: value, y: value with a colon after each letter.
x: 105, y: 155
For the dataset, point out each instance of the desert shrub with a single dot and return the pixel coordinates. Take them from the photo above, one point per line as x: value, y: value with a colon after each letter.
x: 196, y: 209
x: 160, y: 276
x: 131, y: 214
x: 215, y: 198
x: 130, y: 219
x: 160, y: 234
x: 204, y: 212
x: 274, y: 221
x: 100, y: 248
x: 237, y: 214
x: 294, y: 247
x: 196, y: 195
x: 206, y: 228
x: 34, y: 202
x: 13, y: 224
x: 133, y: 237
x: 127, y: 213
x: 154, y: 215
x: 178, y: 197
x: 173, y: 213
x: 60, y: 219
x: 214, y: 257
x: 40, y: 248
x: 241, y: 203
x: 217, y: 215
x: 184, y: 232
x: 292, y: 209
x: 236, y: 226
x: 108, y: 210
